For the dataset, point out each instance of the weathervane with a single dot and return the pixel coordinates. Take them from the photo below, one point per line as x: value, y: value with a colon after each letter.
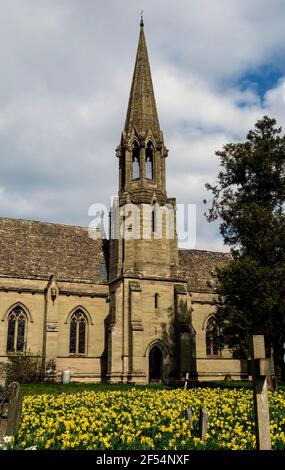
x: 142, y: 18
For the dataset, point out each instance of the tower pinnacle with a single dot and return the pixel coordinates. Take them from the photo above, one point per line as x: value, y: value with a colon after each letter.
x: 141, y: 23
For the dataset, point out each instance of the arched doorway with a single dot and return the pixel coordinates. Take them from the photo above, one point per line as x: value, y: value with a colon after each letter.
x: 155, y: 364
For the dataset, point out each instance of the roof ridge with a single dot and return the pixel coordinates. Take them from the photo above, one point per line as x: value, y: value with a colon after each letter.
x: 204, y: 251
x: 44, y: 222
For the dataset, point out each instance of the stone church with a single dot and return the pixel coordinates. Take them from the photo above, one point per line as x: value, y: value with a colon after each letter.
x: 122, y: 309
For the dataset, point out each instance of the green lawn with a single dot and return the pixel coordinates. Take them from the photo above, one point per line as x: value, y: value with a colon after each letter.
x: 32, y: 389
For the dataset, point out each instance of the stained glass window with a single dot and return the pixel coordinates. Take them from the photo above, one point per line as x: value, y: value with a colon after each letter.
x: 77, y: 342
x: 212, y: 338
x: 81, y: 336
x: 16, y: 330
x: 72, y: 345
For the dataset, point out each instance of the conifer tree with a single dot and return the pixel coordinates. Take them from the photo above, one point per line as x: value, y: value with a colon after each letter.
x: 249, y: 201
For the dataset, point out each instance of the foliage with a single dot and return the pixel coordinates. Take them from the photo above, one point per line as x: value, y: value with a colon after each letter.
x: 8, y: 443
x: 23, y: 368
x: 146, y: 419
x: 249, y: 201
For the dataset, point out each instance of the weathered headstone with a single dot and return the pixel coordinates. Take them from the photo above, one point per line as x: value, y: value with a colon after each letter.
x: 271, y: 382
x: 65, y: 377
x: 10, y: 409
x: 203, y: 423
x: 262, y: 367
x: 186, y: 380
x: 3, y: 376
x: 189, y: 417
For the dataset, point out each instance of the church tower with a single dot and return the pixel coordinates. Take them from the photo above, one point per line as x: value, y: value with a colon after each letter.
x: 145, y: 225
x: 144, y: 284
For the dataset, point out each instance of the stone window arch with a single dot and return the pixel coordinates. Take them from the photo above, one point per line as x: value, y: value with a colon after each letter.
x: 135, y: 161
x: 149, y: 160
x: 78, y: 329
x: 17, y: 329
x: 212, y: 337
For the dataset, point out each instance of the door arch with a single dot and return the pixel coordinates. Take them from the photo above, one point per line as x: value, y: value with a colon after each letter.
x: 155, y: 364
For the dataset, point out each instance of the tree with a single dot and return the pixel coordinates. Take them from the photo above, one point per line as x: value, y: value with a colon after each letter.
x: 249, y: 201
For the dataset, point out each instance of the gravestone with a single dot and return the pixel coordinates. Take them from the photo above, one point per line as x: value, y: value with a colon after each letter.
x: 10, y: 409
x: 3, y: 376
x: 203, y: 423
x: 189, y: 417
x: 186, y: 380
x: 262, y: 367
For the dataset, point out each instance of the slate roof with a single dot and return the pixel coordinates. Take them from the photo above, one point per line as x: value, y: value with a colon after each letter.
x: 31, y: 249
x: 198, y: 267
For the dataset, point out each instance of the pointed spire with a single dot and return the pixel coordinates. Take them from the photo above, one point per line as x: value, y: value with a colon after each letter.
x: 142, y: 112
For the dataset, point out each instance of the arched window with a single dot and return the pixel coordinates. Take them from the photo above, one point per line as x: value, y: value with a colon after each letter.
x: 135, y: 161
x: 212, y: 337
x: 78, y: 331
x: 16, y: 330
x: 149, y: 161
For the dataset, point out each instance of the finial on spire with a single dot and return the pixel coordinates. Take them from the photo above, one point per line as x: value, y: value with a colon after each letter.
x: 141, y: 23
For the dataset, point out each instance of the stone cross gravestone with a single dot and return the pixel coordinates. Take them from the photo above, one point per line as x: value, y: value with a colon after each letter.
x: 10, y: 409
x: 262, y: 367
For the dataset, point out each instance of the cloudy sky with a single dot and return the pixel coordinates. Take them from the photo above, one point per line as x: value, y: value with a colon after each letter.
x: 66, y: 69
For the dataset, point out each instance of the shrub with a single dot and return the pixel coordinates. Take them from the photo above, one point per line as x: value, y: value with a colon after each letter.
x: 23, y: 368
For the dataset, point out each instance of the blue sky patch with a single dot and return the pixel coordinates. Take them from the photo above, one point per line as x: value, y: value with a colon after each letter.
x: 261, y: 80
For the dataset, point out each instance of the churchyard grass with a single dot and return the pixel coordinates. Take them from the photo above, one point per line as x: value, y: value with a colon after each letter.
x: 55, y: 388
x: 125, y: 417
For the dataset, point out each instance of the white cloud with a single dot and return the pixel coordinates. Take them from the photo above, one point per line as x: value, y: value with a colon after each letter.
x: 274, y: 102
x: 65, y: 77
x: 194, y: 103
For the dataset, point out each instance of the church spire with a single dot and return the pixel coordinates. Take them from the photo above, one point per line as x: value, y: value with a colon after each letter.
x: 142, y: 151
x: 142, y: 112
